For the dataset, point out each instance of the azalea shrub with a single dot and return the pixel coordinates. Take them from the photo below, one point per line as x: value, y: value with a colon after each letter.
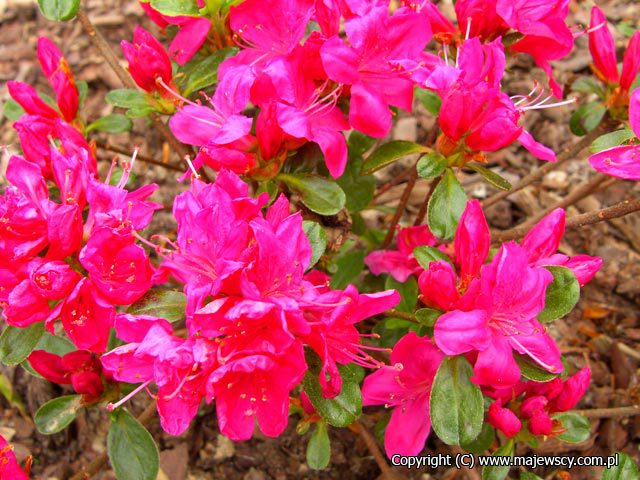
x: 251, y: 305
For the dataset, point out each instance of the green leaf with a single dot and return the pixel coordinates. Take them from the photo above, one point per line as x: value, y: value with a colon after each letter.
x: 12, y: 110
x: 113, y: 123
x: 431, y: 165
x: 202, y: 73
x: 612, y: 139
x: 52, y: 344
x: 428, y: 316
x: 490, y: 176
x: 456, y: 403
x: 317, y: 238
x: 408, y: 291
x: 132, y: 451
x: 359, y: 143
x: 625, y: 470
x: 319, y: 447
x: 83, y: 90
x: 446, y: 206
x: 578, y: 428
x: 17, y: 343
x: 349, y: 266
x: 499, y: 473
x: 161, y: 303
x: 7, y: 391
x: 586, y: 118
x: 562, y: 294
x: 359, y: 189
x: 482, y: 442
x: 321, y: 195
x: 588, y: 85
x: 175, y: 8
x: 390, y: 152
x: 344, y: 409
x: 139, y: 112
x: 59, y: 10
x: 430, y: 100
x: 532, y: 371
x: 425, y: 255
x: 56, y: 415
x: 127, y: 98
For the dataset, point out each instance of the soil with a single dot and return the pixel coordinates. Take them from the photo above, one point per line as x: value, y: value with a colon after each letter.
x: 602, y: 332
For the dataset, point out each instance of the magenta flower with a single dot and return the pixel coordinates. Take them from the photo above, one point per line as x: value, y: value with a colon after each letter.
x: 622, y: 161
x: 405, y: 386
x: 57, y: 71
x: 9, y: 467
x: 192, y: 32
x: 375, y: 41
x: 147, y: 59
x: 503, y: 419
x: 400, y: 263
x: 80, y: 368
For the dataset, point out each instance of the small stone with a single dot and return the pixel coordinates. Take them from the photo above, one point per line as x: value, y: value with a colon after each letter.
x: 406, y: 129
x: 254, y: 474
x: 557, y: 180
x: 224, y: 448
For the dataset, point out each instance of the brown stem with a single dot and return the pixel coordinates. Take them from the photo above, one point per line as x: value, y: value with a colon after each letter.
x: 142, y: 158
x: 618, y: 210
x: 108, y: 54
x: 567, y: 154
x: 629, y: 411
x: 423, y: 208
x: 581, y: 191
x: 392, y: 312
x: 96, y: 465
x: 372, y: 445
x: 401, y: 206
x: 393, y: 182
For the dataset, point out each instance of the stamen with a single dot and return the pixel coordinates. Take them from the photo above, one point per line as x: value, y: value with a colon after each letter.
x: 541, y: 105
x: 466, y: 35
x: 112, y: 406
x: 195, y: 173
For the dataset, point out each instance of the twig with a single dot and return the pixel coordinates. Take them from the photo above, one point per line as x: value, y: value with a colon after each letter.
x: 618, y: 210
x: 581, y: 191
x: 96, y: 465
x: 142, y: 158
x: 371, y: 444
x: 392, y: 312
x: 629, y: 411
x: 392, y: 183
x: 537, y: 174
x: 108, y: 54
x: 423, y: 208
x: 401, y: 206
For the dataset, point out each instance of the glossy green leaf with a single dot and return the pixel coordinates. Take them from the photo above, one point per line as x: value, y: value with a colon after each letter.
x: 133, y: 453
x: 127, y: 98
x: 175, y: 8
x: 344, y: 409
x: 425, y: 255
x: 408, y: 291
x: 12, y: 110
x: 113, y: 123
x: 359, y: 143
x: 586, y: 118
x: 317, y: 238
x: 612, y: 139
x: 388, y: 153
x: 456, y: 403
x: 483, y: 441
x: 431, y: 165
x: 430, y: 100
x: 499, y: 472
x: 319, y: 447
x: 59, y: 10
x: 83, y: 90
x: 348, y: 265
x: 161, y: 303
x: 359, y: 189
x: 203, y: 72
x: 562, y: 294
x: 490, y: 176
x: 52, y: 344
x: 56, y: 415
x: 588, y: 85
x: 577, y: 428
x: 17, y: 343
x: 319, y: 194
x: 625, y: 470
x: 427, y: 316
x: 446, y: 206
x: 532, y: 371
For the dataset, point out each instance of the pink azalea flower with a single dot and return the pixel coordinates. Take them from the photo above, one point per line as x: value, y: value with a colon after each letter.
x: 147, y: 59
x: 81, y: 369
x: 179, y: 367
x: 57, y: 71
x: 29, y: 100
x: 405, y: 386
x: 192, y: 32
x: 9, y: 467
x: 503, y: 419
x: 622, y: 161
x: 400, y: 263
x: 374, y: 83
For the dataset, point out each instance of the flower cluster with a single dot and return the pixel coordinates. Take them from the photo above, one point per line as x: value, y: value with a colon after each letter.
x: 251, y: 309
